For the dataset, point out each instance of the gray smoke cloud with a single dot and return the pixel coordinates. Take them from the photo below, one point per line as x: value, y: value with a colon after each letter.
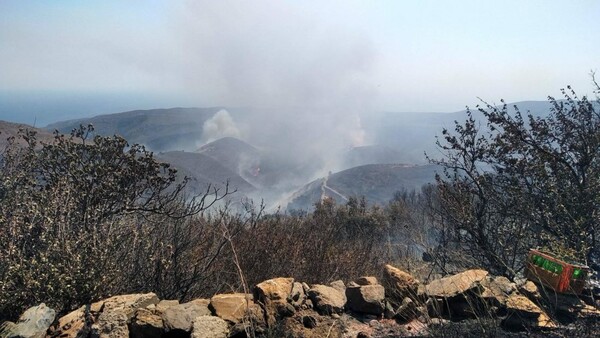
x: 305, y: 76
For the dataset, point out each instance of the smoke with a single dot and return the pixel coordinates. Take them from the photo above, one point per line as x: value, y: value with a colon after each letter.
x: 301, y: 76
x: 219, y: 126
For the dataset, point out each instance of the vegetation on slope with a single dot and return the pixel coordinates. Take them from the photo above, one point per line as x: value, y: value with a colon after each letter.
x: 82, y: 218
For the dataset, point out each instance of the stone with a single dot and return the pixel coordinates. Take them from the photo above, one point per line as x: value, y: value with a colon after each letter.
x: 408, y: 310
x: 146, y: 324
x: 116, y: 312
x: 112, y: 324
x: 399, y: 284
x: 497, y: 289
x: 367, y: 299
x: 165, y: 304
x: 209, y: 327
x: 305, y: 287
x: 524, y: 314
x: 181, y: 316
x: 352, y: 285
x: 70, y: 324
x: 459, y: 284
x: 308, y: 304
x: 326, y: 299
x: 459, y: 296
x: 33, y: 323
x: 339, y: 285
x: 297, y: 295
x: 367, y: 280
x: 531, y: 290
x: 128, y: 303
x: 439, y: 322
x: 273, y: 295
x: 73, y: 324
x: 234, y: 307
x: 389, y: 312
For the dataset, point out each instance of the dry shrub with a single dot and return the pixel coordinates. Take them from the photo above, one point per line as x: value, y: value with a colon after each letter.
x: 334, y: 242
x: 82, y: 219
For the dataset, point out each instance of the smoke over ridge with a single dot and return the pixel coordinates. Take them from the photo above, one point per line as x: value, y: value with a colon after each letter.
x: 304, y: 75
x: 218, y: 126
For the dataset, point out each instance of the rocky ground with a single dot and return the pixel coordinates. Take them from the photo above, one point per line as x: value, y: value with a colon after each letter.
x: 468, y: 304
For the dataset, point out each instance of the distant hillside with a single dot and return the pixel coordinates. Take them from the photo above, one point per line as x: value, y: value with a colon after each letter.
x: 413, y: 134
x: 157, y: 129
x: 286, y: 158
x: 204, y: 170
x: 373, y: 154
x: 234, y: 154
x: 9, y: 129
x: 376, y: 182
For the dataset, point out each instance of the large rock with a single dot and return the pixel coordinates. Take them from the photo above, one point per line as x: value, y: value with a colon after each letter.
x: 326, y: 299
x: 408, y: 310
x: 524, y: 314
x: 70, y: 324
x: 460, y: 296
x: 112, y: 324
x: 118, y: 310
x: 73, y: 324
x: 298, y: 296
x: 274, y: 295
x: 366, y: 280
x: 531, y: 290
x: 209, y: 327
x: 165, y: 304
x: 235, y: 307
x: 127, y: 304
x: 33, y: 323
x: 146, y: 324
x: 399, y: 284
x: 339, y: 285
x: 181, y: 316
x: 366, y: 299
x: 497, y: 289
x: 465, y: 282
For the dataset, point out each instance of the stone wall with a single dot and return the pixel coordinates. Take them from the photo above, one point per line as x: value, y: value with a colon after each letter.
x: 398, y: 305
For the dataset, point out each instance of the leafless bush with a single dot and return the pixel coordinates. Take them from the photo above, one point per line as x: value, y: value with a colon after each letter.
x: 79, y: 220
x: 336, y: 241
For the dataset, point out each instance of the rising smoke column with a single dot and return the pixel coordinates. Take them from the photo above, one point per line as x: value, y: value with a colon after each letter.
x: 219, y: 126
x: 305, y: 75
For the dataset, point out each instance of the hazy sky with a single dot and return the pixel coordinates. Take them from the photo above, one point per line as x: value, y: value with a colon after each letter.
x: 359, y: 55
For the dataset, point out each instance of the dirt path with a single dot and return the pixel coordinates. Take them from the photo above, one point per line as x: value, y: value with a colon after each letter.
x: 325, y: 187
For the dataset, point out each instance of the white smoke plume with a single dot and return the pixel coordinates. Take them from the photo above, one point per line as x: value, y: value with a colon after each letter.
x: 305, y: 75
x: 219, y: 126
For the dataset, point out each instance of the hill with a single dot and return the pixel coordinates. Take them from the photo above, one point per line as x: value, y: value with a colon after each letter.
x: 234, y: 154
x: 204, y: 170
x: 376, y: 182
x: 9, y: 129
x: 157, y: 129
x: 284, y: 159
x: 413, y: 134
x: 372, y: 154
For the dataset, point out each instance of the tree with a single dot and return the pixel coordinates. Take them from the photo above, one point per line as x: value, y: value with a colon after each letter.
x: 76, y: 214
x: 522, y: 181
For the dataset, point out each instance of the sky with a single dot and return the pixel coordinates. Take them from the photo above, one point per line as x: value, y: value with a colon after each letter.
x: 64, y: 59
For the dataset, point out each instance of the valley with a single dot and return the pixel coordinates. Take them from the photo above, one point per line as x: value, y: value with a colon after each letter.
x: 217, y: 146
